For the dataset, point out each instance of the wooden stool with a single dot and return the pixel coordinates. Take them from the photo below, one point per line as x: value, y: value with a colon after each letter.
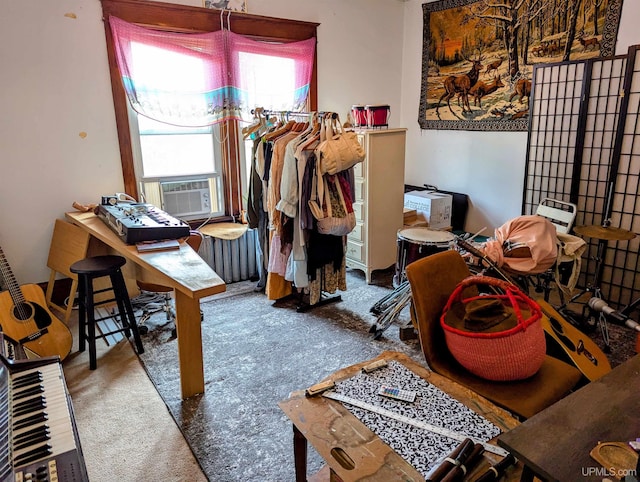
x: 88, y: 270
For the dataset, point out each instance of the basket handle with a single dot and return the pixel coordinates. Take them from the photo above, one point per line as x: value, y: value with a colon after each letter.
x: 512, y: 293
x: 487, y: 280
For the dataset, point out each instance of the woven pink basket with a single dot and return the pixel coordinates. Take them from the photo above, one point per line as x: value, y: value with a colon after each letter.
x: 509, y: 355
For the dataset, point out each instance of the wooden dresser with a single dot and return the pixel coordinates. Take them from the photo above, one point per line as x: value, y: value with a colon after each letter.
x: 379, y: 200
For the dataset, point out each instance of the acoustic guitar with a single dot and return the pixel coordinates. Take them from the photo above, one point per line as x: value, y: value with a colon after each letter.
x: 24, y: 317
x: 566, y: 342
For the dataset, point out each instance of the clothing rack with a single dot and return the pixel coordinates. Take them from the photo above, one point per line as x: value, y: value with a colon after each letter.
x: 303, y: 307
x: 324, y: 300
x: 287, y: 113
x: 325, y: 297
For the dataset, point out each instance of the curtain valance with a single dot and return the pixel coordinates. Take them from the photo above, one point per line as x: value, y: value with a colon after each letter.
x: 198, y: 79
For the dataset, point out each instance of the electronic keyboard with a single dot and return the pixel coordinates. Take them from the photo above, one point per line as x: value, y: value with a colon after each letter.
x: 38, y: 435
x: 137, y: 222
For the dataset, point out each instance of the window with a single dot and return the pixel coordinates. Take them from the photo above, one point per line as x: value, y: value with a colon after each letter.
x: 178, y: 168
x: 168, y: 150
x: 269, y: 83
x: 216, y: 153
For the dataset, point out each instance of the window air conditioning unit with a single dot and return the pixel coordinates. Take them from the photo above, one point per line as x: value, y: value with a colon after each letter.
x: 186, y: 198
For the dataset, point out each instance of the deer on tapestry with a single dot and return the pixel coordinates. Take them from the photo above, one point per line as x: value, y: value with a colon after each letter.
x: 460, y: 84
x: 481, y: 89
x: 592, y: 42
x: 522, y: 89
x: 493, y: 66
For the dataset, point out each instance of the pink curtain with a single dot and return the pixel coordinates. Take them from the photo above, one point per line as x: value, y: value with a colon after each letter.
x: 203, y: 83
x: 242, y: 73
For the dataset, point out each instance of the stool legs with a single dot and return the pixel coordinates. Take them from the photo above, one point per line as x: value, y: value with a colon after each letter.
x: 126, y: 310
x: 86, y: 315
x: 91, y: 326
x: 82, y: 311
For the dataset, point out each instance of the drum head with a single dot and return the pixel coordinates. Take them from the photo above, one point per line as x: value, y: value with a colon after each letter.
x: 424, y: 235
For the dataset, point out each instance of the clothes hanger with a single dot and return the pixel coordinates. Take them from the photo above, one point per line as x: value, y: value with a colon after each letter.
x: 300, y: 127
x: 308, y: 129
x: 278, y: 132
x: 259, y: 123
x: 309, y: 124
x: 246, y: 131
x: 313, y: 136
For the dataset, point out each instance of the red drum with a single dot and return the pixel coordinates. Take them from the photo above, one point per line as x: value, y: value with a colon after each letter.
x: 377, y: 115
x: 417, y: 243
x: 359, y: 116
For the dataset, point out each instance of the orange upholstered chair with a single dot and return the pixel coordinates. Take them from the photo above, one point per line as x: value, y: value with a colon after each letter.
x: 432, y: 281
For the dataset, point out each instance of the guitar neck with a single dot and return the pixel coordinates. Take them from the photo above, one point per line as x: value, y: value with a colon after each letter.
x: 10, y: 280
x: 479, y: 254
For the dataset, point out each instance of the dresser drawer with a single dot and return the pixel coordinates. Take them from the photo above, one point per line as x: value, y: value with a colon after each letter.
x: 360, y: 170
x: 359, y: 210
x: 358, y: 233
x: 360, y: 189
x: 355, y: 250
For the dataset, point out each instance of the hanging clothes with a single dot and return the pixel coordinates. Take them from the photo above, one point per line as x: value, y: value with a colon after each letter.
x: 277, y: 286
x: 288, y: 205
x: 257, y: 215
x: 300, y: 257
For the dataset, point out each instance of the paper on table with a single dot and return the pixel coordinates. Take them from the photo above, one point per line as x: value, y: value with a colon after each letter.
x: 157, y: 245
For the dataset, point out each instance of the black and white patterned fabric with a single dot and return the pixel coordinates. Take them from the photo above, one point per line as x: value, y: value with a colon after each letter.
x: 423, y: 449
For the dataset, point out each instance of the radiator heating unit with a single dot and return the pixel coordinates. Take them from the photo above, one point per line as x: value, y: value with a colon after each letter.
x: 232, y: 260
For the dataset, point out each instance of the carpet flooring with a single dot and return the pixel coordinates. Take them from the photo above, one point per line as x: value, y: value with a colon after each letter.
x: 256, y: 352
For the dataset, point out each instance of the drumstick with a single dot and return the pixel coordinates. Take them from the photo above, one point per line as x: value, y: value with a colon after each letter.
x: 458, y: 472
x: 461, y: 451
x: 482, y: 230
x: 496, y: 471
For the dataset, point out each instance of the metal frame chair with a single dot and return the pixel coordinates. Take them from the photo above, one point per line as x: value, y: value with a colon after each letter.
x: 561, y: 217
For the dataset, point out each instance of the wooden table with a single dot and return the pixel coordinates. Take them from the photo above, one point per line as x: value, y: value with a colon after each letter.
x: 183, y: 270
x: 555, y: 443
x: 332, y: 430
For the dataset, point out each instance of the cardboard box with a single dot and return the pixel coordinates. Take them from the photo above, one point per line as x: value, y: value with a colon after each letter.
x: 432, y: 207
x: 416, y: 223
x: 410, y: 215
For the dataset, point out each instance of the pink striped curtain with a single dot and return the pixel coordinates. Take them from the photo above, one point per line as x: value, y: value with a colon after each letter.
x: 193, y: 80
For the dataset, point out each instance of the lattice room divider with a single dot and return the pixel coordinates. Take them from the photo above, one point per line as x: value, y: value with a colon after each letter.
x: 584, y: 148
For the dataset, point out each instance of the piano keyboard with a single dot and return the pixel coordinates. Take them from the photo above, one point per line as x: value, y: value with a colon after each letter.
x: 38, y: 436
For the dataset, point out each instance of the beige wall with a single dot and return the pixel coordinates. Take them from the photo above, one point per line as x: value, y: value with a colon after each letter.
x: 55, y: 88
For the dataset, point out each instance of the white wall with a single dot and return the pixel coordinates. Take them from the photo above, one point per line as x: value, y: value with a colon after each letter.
x: 359, y: 49
x: 54, y: 86
x: 488, y: 166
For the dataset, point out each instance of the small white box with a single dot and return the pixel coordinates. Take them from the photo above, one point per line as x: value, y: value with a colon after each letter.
x: 432, y: 207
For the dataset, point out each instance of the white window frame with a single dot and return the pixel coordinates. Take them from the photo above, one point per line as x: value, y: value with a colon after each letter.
x: 149, y: 186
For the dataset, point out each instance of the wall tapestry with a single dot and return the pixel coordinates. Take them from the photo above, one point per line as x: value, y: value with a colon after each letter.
x: 478, y: 55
